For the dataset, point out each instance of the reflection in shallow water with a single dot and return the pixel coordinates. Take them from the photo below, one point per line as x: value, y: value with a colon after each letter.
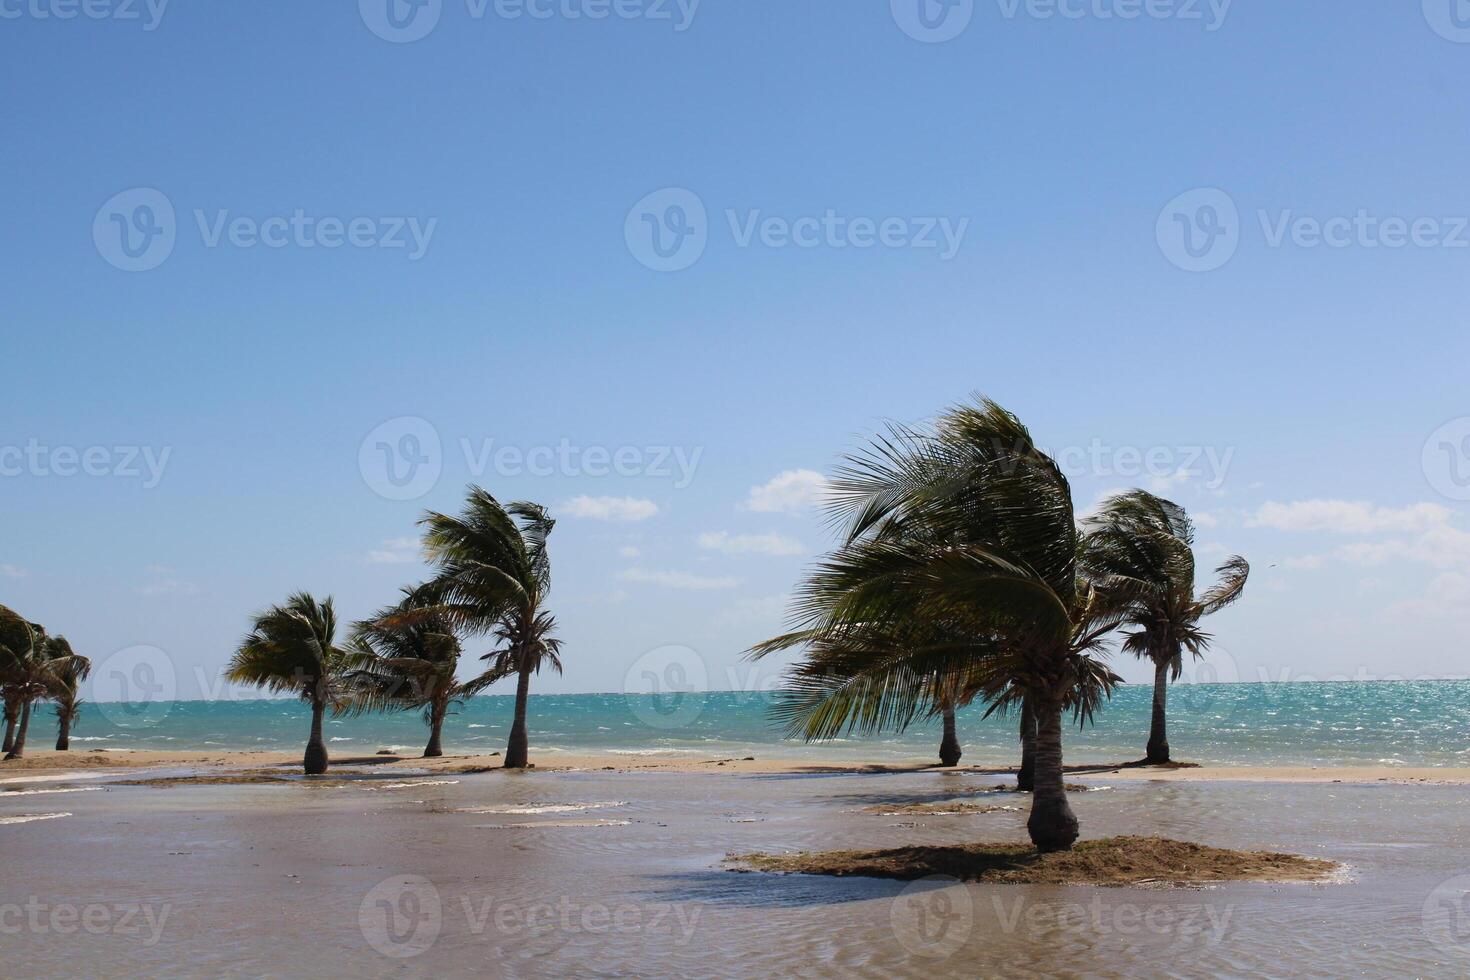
x: 277, y: 879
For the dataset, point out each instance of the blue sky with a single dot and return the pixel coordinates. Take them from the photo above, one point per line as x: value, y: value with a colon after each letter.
x: 1313, y: 393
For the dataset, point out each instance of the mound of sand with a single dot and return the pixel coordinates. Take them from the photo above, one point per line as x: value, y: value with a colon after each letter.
x: 1112, y: 861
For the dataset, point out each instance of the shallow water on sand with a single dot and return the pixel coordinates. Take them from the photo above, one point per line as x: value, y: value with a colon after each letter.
x: 361, y: 879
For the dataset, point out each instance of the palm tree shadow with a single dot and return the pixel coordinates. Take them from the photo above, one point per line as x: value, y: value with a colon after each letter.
x: 755, y: 889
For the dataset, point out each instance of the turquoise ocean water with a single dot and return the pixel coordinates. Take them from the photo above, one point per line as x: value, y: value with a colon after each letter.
x: 1408, y: 723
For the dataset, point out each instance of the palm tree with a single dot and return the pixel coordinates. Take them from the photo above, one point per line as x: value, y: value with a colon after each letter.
x: 494, y: 575
x: 949, y: 744
x: 959, y: 561
x: 32, y: 667
x: 1142, y: 548
x: 415, y: 656
x: 65, y: 694
x: 292, y: 649
x: 17, y: 648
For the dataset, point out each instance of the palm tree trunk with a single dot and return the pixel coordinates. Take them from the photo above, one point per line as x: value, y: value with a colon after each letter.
x: 949, y: 748
x: 1158, y: 737
x: 9, y: 728
x: 436, y: 722
x: 1052, y: 825
x: 63, y: 733
x: 516, y: 750
x: 316, y: 749
x: 18, y: 747
x: 1026, y: 776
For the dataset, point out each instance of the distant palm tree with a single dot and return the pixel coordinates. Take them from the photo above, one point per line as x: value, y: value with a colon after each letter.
x: 32, y: 667
x: 960, y: 562
x: 17, y: 647
x: 1141, y: 547
x: 292, y: 649
x: 416, y: 655
x: 493, y: 577
x: 64, y: 693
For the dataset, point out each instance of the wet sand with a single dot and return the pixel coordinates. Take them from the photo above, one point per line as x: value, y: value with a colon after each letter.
x: 42, y: 760
x: 398, y: 868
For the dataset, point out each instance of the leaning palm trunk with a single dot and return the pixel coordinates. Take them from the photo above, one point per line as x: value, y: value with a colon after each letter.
x: 18, y: 747
x: 949, y: 748
x: 10, y: 719
x: 315, y: 761
x: 63, y: 733
x: 1158, y: 736
x: 1052, y: 825
x: 436, y: 724
x: 517, y: 750
x: 1026, y: 776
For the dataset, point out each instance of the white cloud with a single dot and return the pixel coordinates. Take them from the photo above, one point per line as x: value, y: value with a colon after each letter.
x: 1347, y: 517
x: 790, y: 492
x: 1204, y: 518
x: 748, y: 544
x: 1447, y: 597
x: 1442, y: 547
x: 1305, y: 562
x: 677, y: 580
x: 395, y: 551
x: 629, y: 551
x: 620, y: 509
x: 12, y: 571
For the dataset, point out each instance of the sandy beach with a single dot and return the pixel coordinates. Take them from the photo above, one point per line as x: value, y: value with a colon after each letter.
x: 611, y: 866
x: 47, y: 760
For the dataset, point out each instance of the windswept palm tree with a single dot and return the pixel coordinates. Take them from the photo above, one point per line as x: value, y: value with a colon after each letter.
x: 493, y: 578
x: 1141, y: 547
x: 291, y: 649
x: 17, y: 647
x: 68, y: 674
x: 415, y: 655
x: 32, y: 667
x: 959, y: 561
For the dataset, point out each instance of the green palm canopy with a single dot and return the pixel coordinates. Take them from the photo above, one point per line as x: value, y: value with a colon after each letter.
x: 291, y: 649
x: 957, y: 574
x: 1141, y: 548
x: 493, y: 577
